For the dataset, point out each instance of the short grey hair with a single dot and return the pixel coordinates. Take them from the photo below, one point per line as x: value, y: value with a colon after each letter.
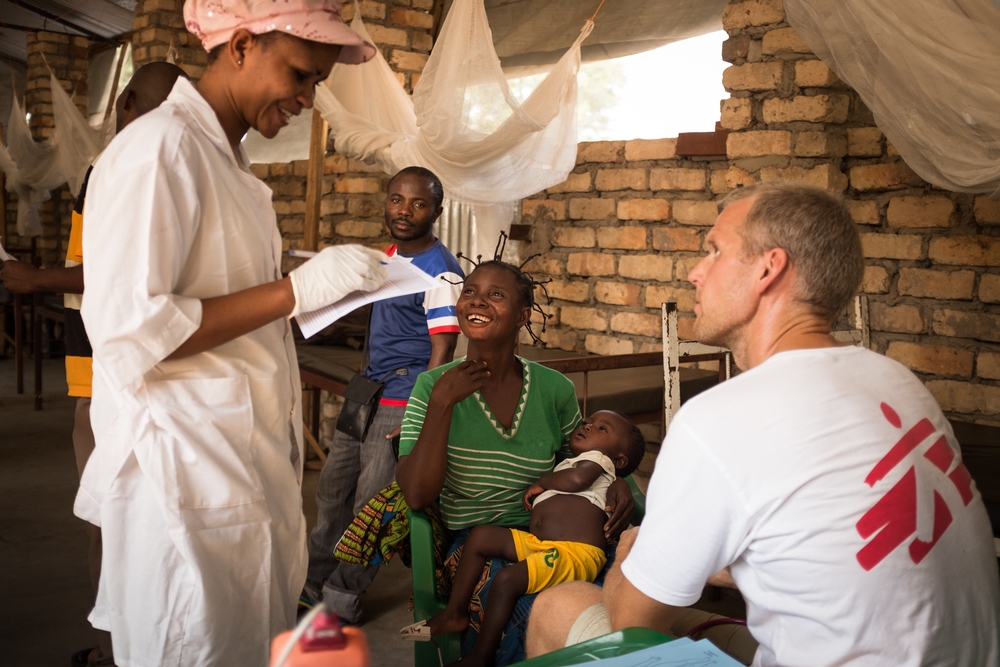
x: 816, y: 231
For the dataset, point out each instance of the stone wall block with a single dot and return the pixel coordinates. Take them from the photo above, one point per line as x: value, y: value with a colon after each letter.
x: 383, y: 35
x: 359, y: 229
x: 583, y: 318
x: 826, y: 176
x: 551, y: 266
x: 611, y: 180
x: 412, y: 18
x: 753, y: 76
x: 936, y: 284
x: 737, y: 113
x: 896, y: 319
x: 933, y: 359
x: 814, y: 74
x: 702, y: 213
x: 599, y: 151
x: 677, y: 179
x: 590, y: 264
x: 637, y: 324
x: 643, y: 209
x: 909, y: 212
x: 674, y: 239
x: 965, y: 397
x: 736, y: 47
x: 966, y: 324
x: 989, y: 288
x: 623, y: 238
x: 608, y: 345
x: 820, y: 144
x: 739, y: 15
x: 542, y: 208
x: 646, y: 267
x: 591, y: 209
x: 988, y: 365
x: 650, y: 149
x: 864, y: 141
x: 757, y: 143
x: 966, y: 250
x: 863, y: 212
x: 893, y: 246
x: 573, y: 237
x: 656, y: 295
x: 783, y: 42
x: 724, y: 180
x: 574, y: 290
x: 357, y: 185
x: 987, y: 211
x: 811, y: 109
x: 886, y: 176
x: 617, y: 293
x: 573, y: 183
x: 875, y: 281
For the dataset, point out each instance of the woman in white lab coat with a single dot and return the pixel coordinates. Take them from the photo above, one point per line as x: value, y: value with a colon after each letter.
x: 196, y: 411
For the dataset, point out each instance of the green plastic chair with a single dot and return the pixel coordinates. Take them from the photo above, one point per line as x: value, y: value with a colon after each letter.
x: 446, y: 649
x: 610, y: 645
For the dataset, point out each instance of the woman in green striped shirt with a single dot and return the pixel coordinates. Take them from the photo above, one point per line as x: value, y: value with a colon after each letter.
x: 479, y: 431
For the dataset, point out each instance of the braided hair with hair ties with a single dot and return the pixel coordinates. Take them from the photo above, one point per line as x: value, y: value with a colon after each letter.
x: 525, y: 283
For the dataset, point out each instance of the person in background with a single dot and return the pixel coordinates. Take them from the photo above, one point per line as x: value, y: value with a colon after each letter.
x: 406, y: 336
x: 196, y: 476
x: 145, y: 91
x: 824, y: 481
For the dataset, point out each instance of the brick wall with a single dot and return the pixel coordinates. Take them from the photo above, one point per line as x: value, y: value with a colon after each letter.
x: 618, y: 238
x: 158, y: 26
x: 621, y: 233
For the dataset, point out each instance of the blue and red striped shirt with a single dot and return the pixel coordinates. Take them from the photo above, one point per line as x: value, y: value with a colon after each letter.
x: 400, y: 329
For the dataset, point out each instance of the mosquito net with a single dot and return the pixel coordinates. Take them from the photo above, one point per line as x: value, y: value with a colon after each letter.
x: 35, y: 168
x: 462, y: 123
x: 928, y: 71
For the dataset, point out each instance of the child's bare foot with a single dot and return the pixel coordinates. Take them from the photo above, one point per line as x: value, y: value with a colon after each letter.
x: 446, y: 622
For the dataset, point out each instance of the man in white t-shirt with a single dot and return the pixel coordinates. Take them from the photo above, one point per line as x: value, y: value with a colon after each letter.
x: 824, y: 479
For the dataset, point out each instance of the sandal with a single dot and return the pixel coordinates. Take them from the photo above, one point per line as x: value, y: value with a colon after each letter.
x: 416, y: 632
x: 91, y: 657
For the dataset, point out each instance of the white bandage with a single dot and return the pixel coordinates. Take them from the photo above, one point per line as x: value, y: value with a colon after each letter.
x: 333, y: 274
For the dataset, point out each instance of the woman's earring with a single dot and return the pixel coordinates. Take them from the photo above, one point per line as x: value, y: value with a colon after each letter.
x: 240, y: 62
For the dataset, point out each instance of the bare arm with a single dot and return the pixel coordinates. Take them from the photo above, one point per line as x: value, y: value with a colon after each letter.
x: 627, y: 605
x: 420, y: 474
x: 225, y: 318
x: 572, y: 480
x: 23, y: 278
x: 442, y: 349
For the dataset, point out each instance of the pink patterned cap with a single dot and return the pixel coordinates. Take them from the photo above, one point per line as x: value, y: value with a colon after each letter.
x: 215, y: 21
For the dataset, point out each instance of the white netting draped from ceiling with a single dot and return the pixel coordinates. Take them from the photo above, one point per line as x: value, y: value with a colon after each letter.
x: 929, y: 70
x: 462, y: 123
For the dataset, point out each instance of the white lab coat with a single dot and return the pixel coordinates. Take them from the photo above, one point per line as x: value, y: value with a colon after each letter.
x: 196, y: 477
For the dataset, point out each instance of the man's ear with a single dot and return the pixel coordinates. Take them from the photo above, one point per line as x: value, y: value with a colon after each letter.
x: 772, y: 265
x: 128, y: 100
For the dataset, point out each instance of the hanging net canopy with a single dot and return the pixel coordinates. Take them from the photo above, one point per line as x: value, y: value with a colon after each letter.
x: 928, y: 70
x: 33, y: 169
x: 462, y: 123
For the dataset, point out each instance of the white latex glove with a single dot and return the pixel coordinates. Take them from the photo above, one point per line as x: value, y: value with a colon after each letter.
x: 334, y: 273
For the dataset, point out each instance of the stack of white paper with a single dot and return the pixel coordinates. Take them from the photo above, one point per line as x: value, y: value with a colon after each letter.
x: 404, y: 278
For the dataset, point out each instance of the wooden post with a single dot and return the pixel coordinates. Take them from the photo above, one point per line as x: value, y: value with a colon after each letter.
x: 314, y: 181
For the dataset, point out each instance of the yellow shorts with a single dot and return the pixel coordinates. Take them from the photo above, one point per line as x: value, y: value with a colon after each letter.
x: 550, y: 563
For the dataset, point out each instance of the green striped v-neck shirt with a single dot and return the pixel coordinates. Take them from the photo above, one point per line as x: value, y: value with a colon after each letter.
x: 490, y: 468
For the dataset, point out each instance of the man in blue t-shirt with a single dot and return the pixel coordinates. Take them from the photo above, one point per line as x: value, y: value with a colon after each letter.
x: 406, y: 336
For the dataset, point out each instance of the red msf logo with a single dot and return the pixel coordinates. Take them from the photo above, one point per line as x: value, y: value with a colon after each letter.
x: 894, y: 516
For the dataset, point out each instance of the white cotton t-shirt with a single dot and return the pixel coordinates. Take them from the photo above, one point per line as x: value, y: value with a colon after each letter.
x: 598, y: 491
x: 832, y: 484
